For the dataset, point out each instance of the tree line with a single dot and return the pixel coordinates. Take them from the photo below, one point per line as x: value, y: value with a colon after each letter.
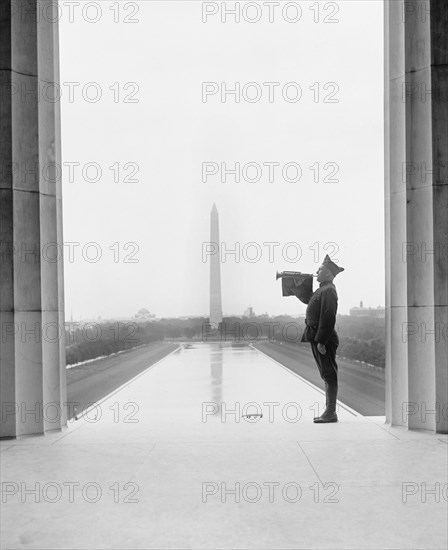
x: 361, y: 339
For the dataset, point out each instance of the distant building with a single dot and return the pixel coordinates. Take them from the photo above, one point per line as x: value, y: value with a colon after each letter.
x: 249, y: 312
x: 144, y: 315
x: 361, y: 311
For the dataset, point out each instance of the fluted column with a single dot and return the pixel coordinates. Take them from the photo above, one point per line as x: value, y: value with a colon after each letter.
x: 416, y: 199
x: 32, y: 353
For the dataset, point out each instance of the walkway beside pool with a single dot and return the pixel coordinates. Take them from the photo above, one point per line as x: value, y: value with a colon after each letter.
x: 214, y: 447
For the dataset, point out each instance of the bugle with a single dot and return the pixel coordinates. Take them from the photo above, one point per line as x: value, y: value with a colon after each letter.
x: 281, y: 274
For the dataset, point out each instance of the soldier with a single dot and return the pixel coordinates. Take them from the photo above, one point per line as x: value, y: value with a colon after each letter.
x: 319, y: 332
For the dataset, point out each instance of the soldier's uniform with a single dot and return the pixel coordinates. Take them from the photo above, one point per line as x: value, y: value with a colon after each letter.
x: 320, y: 322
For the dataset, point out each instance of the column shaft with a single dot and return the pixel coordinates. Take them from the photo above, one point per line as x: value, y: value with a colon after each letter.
x: 31, y: 300
x: 416, y: 213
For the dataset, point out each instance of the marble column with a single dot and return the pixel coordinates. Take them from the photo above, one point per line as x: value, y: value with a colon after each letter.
x: 32, y: 352
x: 416, y: 206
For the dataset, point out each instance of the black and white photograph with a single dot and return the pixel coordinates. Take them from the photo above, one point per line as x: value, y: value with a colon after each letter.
x: 224, y: 274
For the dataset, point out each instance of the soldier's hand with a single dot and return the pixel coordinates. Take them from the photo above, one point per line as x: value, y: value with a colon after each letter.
x: 321, y: 349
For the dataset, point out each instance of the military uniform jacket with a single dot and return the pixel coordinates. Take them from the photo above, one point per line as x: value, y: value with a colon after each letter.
x: 321, y: 315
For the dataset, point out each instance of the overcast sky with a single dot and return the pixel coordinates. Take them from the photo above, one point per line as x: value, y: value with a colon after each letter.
x: 154, y: 125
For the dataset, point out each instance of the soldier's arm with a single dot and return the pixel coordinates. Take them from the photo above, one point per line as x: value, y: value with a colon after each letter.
x: 327, y: 318
x: 305, y: 298
x: 304, y: 291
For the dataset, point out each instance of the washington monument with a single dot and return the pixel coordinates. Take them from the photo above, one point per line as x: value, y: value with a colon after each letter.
x: 215, y: 271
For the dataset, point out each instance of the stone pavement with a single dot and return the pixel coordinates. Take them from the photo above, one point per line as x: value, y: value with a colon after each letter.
x: 170, y: 461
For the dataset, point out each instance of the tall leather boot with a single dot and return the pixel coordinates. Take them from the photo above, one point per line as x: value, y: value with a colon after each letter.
x: 329, y: 415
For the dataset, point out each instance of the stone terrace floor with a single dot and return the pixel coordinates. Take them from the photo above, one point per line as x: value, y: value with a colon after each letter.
x: 164, y: 463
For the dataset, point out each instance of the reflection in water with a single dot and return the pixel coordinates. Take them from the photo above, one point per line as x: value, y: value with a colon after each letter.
x: 216, y: 375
